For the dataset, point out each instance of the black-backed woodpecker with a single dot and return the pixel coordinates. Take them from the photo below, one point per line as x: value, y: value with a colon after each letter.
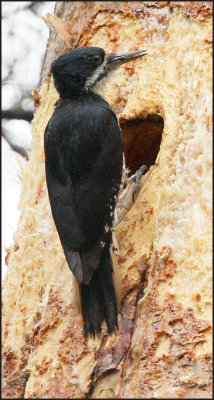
x: 84, y: 162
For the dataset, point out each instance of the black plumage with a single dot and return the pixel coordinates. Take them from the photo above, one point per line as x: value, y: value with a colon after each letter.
x: 84, y: 162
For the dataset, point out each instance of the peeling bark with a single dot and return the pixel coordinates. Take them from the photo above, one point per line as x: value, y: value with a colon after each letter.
x: 163, y: 270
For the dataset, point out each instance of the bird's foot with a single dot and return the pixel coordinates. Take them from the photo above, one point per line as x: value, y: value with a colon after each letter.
x: 136, y: 177
x: 129, y: 195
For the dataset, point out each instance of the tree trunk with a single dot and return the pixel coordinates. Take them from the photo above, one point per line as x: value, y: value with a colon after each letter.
x: 163, y: 345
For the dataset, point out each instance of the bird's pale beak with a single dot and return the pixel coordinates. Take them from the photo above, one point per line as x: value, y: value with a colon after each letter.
x: 114, y: 60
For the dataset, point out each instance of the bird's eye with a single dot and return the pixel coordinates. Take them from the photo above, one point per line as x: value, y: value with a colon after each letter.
x: 97, y: 59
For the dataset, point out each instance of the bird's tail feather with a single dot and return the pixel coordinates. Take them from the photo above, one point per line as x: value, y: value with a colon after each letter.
x: 98, y: 299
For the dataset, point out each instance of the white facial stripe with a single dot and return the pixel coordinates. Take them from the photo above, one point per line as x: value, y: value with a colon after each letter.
x: 90, y: 81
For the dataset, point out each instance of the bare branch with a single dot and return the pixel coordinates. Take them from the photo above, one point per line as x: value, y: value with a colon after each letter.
x: 20, y: 150
x: 18, y: 113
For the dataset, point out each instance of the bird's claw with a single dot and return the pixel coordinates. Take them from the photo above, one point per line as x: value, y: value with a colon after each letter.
x: 136, y: 177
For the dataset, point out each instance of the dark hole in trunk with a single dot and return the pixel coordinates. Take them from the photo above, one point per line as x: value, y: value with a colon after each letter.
x: 142, y: 139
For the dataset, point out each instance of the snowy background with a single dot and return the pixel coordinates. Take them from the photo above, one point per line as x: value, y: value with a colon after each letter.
x: 24, y: 38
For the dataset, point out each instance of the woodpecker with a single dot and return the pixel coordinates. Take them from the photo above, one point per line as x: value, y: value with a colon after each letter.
x: 83, y: 162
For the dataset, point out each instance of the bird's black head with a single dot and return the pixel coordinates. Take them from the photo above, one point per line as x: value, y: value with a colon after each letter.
x: 79, y: 70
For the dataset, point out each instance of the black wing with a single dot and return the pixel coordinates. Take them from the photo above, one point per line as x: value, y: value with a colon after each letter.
x: 83, y: 157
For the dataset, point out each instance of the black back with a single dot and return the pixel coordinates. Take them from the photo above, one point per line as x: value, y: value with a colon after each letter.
x: 83, y: 160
